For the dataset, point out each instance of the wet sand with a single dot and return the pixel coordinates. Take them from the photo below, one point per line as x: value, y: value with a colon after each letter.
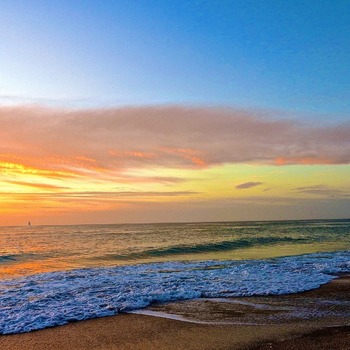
x: 275, y: 326
x: 333, y: 338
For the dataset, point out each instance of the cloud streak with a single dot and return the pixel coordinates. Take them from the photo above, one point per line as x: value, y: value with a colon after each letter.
x: 100, y: 195
x: 99, y: 141
x: 246, y: 185
x: 322, y: 190
x: 37, y: 185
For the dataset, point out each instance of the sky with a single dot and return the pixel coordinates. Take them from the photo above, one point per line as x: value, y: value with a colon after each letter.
x: 164, y: 111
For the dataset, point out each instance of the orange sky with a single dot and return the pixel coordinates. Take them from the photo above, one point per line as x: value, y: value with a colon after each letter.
x: 156, y: 164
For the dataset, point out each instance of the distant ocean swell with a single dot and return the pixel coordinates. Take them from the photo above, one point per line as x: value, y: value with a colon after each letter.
x: 9, y: 258
x: 55, y: 298
x: 206, y: 248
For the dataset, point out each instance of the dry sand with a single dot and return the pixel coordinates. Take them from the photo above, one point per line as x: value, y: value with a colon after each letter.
x: 130, y: 331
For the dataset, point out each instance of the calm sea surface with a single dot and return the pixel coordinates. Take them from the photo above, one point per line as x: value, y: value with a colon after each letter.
x: 50, y: 275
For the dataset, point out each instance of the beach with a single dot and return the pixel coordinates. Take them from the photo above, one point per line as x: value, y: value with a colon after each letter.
x: 174, y: 175
x: 133, y: 331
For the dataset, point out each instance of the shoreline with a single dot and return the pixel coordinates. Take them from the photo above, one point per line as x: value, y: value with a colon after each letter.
x: 133, y: 331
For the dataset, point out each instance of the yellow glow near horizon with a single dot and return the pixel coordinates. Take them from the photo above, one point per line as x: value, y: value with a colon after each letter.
x: 164, y: 164
x: 31, y: 192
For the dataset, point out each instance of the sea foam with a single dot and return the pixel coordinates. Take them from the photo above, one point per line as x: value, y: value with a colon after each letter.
x: 56, y: 298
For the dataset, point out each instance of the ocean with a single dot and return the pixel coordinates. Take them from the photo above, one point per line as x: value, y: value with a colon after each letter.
x: 52, y: 275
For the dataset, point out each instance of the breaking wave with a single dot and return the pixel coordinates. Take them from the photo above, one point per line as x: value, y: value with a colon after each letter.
x: 56, y: 298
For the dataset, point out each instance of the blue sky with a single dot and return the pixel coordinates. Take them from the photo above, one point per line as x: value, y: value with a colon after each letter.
x: 285, y: 55
x: 174, y: 110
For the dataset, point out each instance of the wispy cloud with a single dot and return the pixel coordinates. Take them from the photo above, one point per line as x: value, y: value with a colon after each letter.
x: 322, y: 190
x: 246, y: 185
x: 104, y: 140
x: 98, y: 195
x: 37, y: 185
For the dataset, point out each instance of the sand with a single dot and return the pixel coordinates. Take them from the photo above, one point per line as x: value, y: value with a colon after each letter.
x: 132, y: 331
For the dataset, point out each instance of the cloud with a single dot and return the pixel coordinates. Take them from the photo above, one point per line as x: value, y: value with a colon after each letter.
x: 100, y: 141
x: 37, y: 185
x: 101, y: 194
x: 322, y: 190
x: 248, y: 185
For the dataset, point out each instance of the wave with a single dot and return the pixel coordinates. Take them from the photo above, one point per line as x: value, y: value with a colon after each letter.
x: 204, y: 248
x: 56, y: 298
x: 9, y: 258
